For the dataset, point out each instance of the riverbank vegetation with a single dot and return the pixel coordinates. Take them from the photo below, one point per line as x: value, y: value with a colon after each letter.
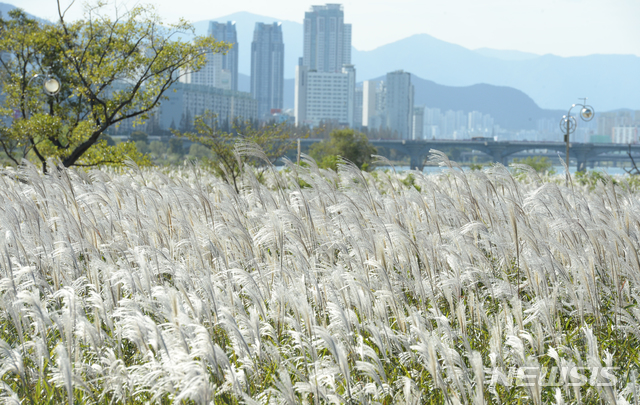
x: 170, y: 285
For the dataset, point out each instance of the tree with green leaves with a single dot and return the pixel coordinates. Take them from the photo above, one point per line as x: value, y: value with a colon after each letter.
x: 346, y: 143
x: 139, y: 136
x: 540, y: 164
x: 176, y: 146
x: 112, y: 70
x: 274, y: 139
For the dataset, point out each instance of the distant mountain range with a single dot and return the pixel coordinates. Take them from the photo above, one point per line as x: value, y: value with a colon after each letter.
x: 552, y: 82
x: 512, y: 109
x: 609, y: 81
x: 505, y: 55
x: 5, y: 8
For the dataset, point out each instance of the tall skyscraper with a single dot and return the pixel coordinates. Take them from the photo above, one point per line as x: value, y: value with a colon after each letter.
x: 432, y: 121
x: 374, y: 104
x: 626, y: 135
x: 357, y: 109
x: 325, y: 78
x: 267, y: 67
x: 449, y: 124
x: 399, y: 112
x: 229, y: 62
x: 368, y: 103
x: 475, y: 121
x: 487, y: 123
x: 327, y: 39
x: 418, y: 122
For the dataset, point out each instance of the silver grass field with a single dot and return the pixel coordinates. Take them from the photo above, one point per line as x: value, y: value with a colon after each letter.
x: 309, y: 286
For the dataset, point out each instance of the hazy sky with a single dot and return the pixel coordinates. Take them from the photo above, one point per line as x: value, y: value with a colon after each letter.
x: 560, y: 27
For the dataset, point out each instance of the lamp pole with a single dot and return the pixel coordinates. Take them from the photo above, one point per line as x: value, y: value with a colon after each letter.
x: 50, y: 85
x: 568, y: 124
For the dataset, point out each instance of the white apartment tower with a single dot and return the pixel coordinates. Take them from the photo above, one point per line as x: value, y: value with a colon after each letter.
x: 212, y: 74
x: 267, y: 67
x: 325, y: 79
x: 399, y: 100
x: 368, y: 103
x: 626, y: 135
x: 327, y: 39
x: 475, y: 122
x: 189, y: 100
x: 357, y: 109
x: 418, y: 122
x: 323, y: 96
x: 220, y: 70
x: 229, y: 62
x: 374, y: 104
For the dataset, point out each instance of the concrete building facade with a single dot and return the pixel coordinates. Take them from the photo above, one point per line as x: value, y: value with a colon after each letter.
x: 368, y: 102
x: 211, y: 74
x: 399, y: 103
x: 324, y: 96
x: 624, y: 135
x: 325, y: 86
x: 418, y: 122
x: 229, y: 62
x: 327, y: 39
x: 357, y: 109
x: 220, y: 70
x: 267, y: 68
x: 190, y: 100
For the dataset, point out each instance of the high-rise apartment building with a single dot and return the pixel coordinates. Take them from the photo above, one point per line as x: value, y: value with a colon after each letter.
x: 323, y: 96
x: 449, y: 124
x: 327, y: 39
x: 228, y: 62
x: 626, y: 135
x: 325, y: 79
x: 187, y: 101
x: 487, y: 123
x: 374, y: 104
x: 220, y: 70
x: 357, y: 109
x: 432, y: 123
x: 211, y: 74
x: 399, y: 103
x: 267, y: 67
x: 418, y: 122
x: 368, y: 102
x: 475, y: 122
x: 459, y: 129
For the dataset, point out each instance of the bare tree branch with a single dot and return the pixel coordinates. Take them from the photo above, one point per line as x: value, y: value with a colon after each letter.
x: 634, y: 171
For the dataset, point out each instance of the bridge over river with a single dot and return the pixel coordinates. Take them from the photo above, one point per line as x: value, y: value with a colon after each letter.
x: 500, y: 151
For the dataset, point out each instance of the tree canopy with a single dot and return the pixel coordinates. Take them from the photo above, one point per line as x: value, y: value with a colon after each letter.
x: 112, y: 70
x: 273, y: 140
x: 347, y: 143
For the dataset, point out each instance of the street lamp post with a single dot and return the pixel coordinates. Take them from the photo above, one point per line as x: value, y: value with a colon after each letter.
x: 50, y: 85
x: 568, y: 124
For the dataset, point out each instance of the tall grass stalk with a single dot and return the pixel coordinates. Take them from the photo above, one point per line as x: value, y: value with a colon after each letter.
x: 311, y: 286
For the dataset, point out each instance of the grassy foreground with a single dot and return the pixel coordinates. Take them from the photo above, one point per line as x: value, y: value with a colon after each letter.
x: 169, y: 287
